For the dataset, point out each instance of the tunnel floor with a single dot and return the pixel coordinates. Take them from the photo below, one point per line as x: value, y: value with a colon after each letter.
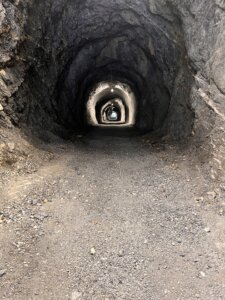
x: 111, y: 133
x: 112, y: 218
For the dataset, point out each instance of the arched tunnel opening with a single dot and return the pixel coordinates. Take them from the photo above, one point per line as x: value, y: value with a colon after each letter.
x: 111, y: 104
x: 73, y: 49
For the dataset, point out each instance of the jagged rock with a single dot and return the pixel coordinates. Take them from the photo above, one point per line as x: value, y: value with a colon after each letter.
x: 170, y: 52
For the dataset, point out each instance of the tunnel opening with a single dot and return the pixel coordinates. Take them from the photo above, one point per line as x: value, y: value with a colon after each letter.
x: 53, y: 54
x: 70, y: 54
x: 111, y: 104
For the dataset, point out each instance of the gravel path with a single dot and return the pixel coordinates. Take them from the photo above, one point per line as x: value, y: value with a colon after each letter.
x: 113, y: 219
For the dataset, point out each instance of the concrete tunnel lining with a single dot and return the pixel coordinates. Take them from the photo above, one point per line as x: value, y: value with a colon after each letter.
x: 117, y: 103
x: 121, y: 90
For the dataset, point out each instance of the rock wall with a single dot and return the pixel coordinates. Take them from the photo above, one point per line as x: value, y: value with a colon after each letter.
x: 11, y: 68
x: 204, y: 29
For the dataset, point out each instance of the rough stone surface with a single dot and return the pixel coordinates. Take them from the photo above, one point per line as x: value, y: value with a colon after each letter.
x: 170, y: 51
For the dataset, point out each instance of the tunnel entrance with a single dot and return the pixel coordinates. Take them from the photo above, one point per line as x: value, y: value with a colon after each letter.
x: 111, y: 104
x: 112, y: 113
x: 122, y: 66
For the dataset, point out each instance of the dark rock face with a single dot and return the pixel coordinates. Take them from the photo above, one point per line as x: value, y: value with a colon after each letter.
x: 69, y: 47
x: 171, y: 53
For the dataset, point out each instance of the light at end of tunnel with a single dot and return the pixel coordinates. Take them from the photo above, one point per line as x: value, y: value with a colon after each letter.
x: 102, y: 109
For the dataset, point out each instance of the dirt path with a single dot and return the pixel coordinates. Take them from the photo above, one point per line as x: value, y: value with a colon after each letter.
x: 113, y: 219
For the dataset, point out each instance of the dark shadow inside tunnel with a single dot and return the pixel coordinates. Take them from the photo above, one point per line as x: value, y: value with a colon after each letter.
x: 79, y: 47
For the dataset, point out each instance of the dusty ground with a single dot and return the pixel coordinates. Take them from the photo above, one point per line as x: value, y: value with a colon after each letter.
x: 112, y: 219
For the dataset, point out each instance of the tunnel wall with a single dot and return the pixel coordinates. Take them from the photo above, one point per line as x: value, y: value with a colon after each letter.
x: 40, y: 38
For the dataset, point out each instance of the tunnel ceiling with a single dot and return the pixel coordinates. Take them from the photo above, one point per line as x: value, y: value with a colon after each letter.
x: 67, y: 47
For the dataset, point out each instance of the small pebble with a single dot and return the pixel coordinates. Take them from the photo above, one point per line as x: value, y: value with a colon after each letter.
x: 2, y: 273
x: 199, y: 199
x: 41, y: 216
x: 11, y: 147
x: 34, y: 202
x: 76, y: 295
x: 202, y: 274
x: 93, y: 251
x: 212, y: 195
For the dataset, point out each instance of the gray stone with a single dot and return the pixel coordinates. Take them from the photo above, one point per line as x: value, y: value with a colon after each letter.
x: 76, y: 295
x: 93, y: 251
x: 121, y: 253
x: 2, y: 272
x: 41, y: 216
x: 207, y: 230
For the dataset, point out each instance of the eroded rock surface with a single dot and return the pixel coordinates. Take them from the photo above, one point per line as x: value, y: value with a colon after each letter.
x: 157, y: 46
x: 171, y: 52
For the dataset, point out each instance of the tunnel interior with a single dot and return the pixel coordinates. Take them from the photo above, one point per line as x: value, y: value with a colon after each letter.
x: 111, y: 104
x: 134, y: 62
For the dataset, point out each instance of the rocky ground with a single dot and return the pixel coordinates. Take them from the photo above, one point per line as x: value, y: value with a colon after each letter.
x: 105, y: 218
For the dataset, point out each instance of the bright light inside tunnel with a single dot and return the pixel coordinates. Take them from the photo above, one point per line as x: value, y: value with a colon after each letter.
x: 111, y: 106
